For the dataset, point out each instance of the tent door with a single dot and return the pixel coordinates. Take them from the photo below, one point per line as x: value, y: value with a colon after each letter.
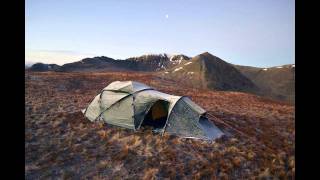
x: 157, y: 115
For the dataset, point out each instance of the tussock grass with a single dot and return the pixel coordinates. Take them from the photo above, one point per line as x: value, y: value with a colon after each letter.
x: 61, y: 143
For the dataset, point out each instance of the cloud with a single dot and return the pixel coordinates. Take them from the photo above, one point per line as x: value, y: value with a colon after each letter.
x: 167, y: 16
x: 53, y: 56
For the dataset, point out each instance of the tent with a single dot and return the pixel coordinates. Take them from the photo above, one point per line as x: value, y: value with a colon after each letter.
x: 131, y: 104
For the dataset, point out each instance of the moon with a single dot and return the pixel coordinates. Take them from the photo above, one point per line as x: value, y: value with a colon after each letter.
x: 167, y: 16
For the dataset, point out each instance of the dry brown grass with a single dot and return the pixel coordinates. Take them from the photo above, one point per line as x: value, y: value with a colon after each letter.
x: 60, y: 143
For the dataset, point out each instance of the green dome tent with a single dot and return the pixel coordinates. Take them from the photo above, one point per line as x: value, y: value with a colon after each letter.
x: 132, y: 104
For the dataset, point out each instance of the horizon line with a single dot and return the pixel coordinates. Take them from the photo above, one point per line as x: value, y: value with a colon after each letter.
x: 32, y: 62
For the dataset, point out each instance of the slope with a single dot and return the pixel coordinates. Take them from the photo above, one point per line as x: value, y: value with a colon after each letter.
x: 148, y: 63
x: 99, y: 64
x: 275, y: 82
x: 208, y: 71
x: 61, y: 144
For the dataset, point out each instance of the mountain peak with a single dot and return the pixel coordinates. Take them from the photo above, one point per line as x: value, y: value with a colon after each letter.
x: 206, y: 53
x: 206, y: 56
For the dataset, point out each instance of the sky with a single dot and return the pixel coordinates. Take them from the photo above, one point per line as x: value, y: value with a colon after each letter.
x: 246, y: 32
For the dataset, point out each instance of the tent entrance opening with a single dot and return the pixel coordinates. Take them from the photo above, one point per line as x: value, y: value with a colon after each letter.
x: 157, y: 115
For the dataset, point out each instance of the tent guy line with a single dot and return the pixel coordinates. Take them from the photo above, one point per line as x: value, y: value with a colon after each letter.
x: 216, y: 119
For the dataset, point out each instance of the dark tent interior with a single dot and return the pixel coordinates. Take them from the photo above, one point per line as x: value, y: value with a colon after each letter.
x: 157, y: 115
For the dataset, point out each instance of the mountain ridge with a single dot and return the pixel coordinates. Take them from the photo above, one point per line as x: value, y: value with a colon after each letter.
x: 277, y: 82
x: 204, y: 71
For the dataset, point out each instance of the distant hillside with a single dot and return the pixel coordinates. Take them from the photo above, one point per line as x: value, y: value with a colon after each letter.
x: 44, y: 67
x: 208, y: 71
x: 98, y: 64
x: 276, y: 82
x: 152, y: 62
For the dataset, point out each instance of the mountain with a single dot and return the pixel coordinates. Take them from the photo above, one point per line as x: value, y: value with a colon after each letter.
x: 98, y: 64
x: 204, y: 71
x: 275, y: 82
x: 44, y: 67
x: 211, y: 72
x: 156, y: 62
x: 28, y: 64
x: 150, y: 62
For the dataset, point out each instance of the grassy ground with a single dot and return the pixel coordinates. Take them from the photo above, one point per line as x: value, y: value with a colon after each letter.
x: 61, y: 143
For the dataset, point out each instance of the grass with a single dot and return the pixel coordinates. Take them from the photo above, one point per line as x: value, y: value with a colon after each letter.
x: 60, y: 143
